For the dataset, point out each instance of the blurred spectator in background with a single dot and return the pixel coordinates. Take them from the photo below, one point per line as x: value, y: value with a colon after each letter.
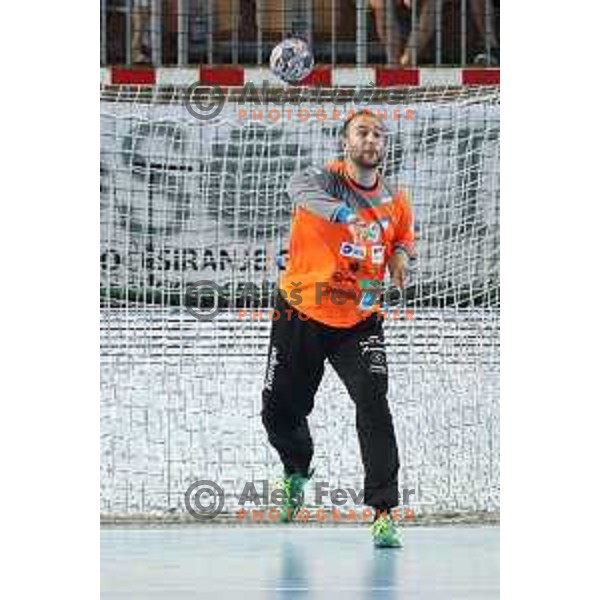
x: 402, y: 39
x: 425, y: 27
x: 480, y: 10
x: 140, y: 20
x: 248, y: 20
x: 225, y: 32
x: 400, y: 23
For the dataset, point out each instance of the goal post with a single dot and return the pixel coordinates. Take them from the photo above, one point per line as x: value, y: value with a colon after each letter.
x: 195, y: 208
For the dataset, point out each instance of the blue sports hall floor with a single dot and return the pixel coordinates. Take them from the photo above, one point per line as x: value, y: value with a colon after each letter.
x: 177, y: 562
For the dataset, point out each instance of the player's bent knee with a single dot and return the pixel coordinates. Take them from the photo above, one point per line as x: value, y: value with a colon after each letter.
x: 375, y: 415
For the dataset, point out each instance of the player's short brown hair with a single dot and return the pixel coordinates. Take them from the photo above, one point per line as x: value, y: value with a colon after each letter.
x: 363, y: 112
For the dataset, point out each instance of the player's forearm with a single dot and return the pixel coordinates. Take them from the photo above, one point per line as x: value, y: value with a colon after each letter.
x: 312, y: 189
x: 404, y: 242
x: 397, y: 267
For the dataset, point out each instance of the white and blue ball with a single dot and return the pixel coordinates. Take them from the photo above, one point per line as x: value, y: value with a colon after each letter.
x: 292, y: 60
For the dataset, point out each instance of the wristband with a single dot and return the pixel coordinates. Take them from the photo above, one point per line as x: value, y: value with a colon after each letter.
x: 402, y: 251
x: 343, y: 214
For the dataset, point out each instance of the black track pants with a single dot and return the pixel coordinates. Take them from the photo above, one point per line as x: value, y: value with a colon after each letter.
x: 297, y: 353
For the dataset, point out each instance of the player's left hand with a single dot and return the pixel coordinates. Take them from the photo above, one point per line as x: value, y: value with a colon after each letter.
x: 397, y: 265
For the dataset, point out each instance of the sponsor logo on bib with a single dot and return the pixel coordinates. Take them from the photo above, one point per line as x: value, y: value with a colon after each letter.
x: 353, y: 251
x: 377, y: 254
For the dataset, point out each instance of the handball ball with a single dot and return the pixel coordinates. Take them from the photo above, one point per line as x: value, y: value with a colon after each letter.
x: 292, y: 60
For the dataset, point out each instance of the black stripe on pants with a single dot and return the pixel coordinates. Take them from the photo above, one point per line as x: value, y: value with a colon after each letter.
x: 297, y: 352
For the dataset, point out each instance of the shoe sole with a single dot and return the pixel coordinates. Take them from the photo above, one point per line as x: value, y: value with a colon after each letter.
x: 383, y: 545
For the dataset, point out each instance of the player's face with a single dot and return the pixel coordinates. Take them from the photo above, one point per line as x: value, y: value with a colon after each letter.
x: 366, y: 142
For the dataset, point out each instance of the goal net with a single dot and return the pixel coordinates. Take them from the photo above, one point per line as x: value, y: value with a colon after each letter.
x: 186, y: 200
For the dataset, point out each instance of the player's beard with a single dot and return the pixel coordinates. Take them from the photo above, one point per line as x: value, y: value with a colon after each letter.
x: 360, y: 158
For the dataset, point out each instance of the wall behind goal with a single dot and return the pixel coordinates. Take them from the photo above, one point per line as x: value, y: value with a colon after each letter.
x: 184, y: 200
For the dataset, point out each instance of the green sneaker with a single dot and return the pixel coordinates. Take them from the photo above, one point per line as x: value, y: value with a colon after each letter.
x: 293, y: 487
x: 386, y: 533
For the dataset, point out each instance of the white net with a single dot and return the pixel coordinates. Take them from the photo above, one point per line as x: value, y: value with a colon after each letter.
x: 185, y: 200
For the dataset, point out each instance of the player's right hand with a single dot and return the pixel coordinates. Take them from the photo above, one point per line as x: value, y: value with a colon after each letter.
x: 397, y: 266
